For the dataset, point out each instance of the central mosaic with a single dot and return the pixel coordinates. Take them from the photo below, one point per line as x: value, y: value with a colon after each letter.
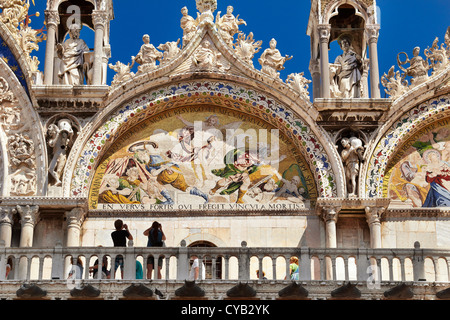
x: 202, y: 158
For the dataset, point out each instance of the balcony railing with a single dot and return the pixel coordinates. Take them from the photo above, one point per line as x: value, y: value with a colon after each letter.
x: 232, y: 263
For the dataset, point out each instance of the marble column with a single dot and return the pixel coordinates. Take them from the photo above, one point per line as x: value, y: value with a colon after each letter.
x: 29, y: 216
x: 314, y: 68
x: 373, y: 217
x: 99, y: 18
x: 52, y: 21
x: 373, y: 33
x: 6, y: 222
x: 324, y: 37
x: 330, y: 216
x: 74, y: 218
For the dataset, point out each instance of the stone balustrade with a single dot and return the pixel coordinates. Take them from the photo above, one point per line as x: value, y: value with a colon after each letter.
x: 370, y: 268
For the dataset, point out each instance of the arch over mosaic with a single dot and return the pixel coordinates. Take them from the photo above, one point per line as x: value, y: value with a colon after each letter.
x: 421, y: 128
x: 242, y: 100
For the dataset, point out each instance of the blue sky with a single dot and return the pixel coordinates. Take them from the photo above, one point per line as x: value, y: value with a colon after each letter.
x: 404, y: 25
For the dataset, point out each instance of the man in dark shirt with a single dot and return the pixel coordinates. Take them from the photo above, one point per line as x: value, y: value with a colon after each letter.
x: 119, y: 238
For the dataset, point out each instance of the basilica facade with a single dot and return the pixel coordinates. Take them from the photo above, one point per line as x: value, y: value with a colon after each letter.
x: 239, y: 166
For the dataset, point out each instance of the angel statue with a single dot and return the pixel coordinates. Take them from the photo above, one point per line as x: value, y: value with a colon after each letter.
x: 228, y: 25
x: 418, y: 67
x: 272, y: 61
x: 60, y: 138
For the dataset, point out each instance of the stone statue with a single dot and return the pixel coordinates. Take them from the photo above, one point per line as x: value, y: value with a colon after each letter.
x: 123, y: 73
x: 246, y: 48
x: 72, y: 57
x: 228, y: 25
x: 147, y: 56
x: 352, y: 155
x: 60, y: 138
x: 189, y: 26
x: 418, y: 67
x: 207, y: 59
x: 272, y: 61
x: 170, y: 49
x: 348, y: 70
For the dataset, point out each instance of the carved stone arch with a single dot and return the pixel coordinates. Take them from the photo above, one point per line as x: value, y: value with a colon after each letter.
x: 30, y: 126
x: 394, y: 135
x: 331, y: 7
x: 193, y: 238
x: 108, y: 126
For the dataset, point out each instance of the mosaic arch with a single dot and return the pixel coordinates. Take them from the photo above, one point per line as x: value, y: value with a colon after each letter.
x: 297, y: 138
x: 406, y: 149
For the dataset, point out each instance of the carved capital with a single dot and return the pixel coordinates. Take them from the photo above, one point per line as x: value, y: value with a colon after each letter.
x: 314, y: 67
x: 6, y: 215
x: 324, y: 32
x: 373, y: 31
x: 52, y: 17
x: 329, y: 213
x: 75, y: 217
x: 374, y: 214
x: 99, y: 18
x: 28, y: 214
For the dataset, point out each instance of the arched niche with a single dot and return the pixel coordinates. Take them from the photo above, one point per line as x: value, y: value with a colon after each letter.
x: 202, y: 158
x: 395, y: 142
x: 419, y: 172
x: 83, y: 7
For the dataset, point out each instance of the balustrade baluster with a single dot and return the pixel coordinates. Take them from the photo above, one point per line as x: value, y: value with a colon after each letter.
x: 41, y: 267
x: 213, y: 268
x: 167, y: 265
x: 274, y: 268
x: 227, y: 267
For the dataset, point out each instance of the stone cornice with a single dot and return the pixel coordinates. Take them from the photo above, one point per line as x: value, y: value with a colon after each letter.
x: 44, y: 202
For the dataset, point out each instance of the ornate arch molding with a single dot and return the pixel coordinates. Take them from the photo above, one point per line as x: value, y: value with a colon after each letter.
x: 399, y: 131
x: 330, y: 8
x: 20, y: 124
x: 110, y: 125
x: 13, y: 55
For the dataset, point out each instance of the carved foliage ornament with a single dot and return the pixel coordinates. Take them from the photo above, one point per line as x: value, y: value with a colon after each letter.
x: 15, y: 16
x: 21, y: 147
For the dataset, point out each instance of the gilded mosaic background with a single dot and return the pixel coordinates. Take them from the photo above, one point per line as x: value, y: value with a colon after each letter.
x: 202, y: 158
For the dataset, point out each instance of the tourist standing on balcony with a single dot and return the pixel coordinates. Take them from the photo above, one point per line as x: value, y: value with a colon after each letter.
x: 156, y: 238
x: 119, y: 238
x: 195, y: 269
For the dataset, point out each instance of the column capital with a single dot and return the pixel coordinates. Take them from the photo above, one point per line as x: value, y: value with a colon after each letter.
x: 28, y: 214
x: 372, y: 32
x: 99, y: 18
x: 6, y: 215
x: 75, y: 217
x: 374, y: 214
x: 52, y: 17
x: 329, y: 213
x: 324, y: 32
x: 314, y: 66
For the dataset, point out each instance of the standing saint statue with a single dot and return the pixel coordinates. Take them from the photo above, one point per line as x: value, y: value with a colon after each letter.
x: 349, y: 70
x: 228, y: 25
x: 272, y: 61
x: 60, y: 139
x: 189, y: 26
x: 147, y: 56
x: 351, y: 157
x: 71, y: 54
